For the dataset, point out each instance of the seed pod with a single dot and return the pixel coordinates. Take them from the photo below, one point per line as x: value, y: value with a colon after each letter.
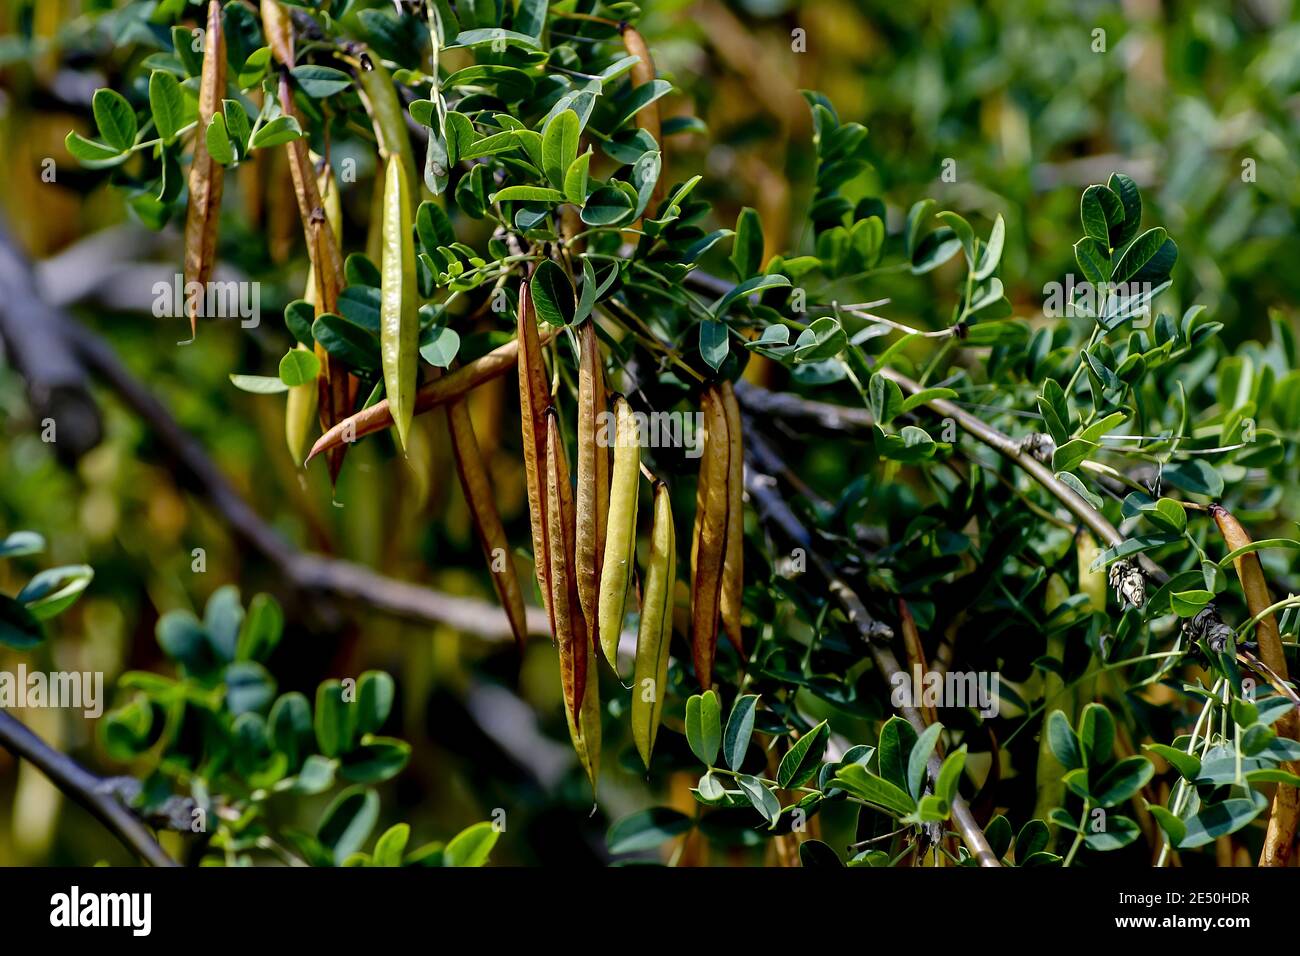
x: 1282, y: 823
x: 207, y: 176
x: 388, y: 117
x: 487, y: 521
x: 650, y: 677
x: 432, y: 395
x: 278, y: 29
x: 567, y: 625
x: 620, y: 535
x: 299, y: 416
x: 399, y: 323
x: 733, y: 567
x: 337, y: 387
x: 534, y: 400
x: 593, y: 476
x: 710, y: 545
x: 303, y: 402
x: 647, y: 118
x: 585, y: 730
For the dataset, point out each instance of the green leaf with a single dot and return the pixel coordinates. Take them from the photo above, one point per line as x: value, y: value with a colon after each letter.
x: 760, y: 798
x: 1131, y: 199
x: 920, y: 758
x: 433, y: 228
x: 897, y: 738
x: 298, y: 367
x: 528, y: 194
x: 747, y: 250
x: 1151, y: 257
x: 276, y: 132
x: 18, y: 626
x: 1098, y: 209
x: 964, y: 233
x: 646, y: 829
x: 886, y: 399
x: 249, y: 688
x: 258, y: 384
x: 1189, y: 603
x: 1122, y: 781
x: 51, y: 591
x: 1096, y: 735
x: 945, y: 788
x: 1072, y: 454
x: 391, y: 845
x: 740, y: 726
x: 824, y: 339
x: 992, y: 253
x: 1221, y: 819
x: 1093, y: 262
x: 166, y: 104
x: 376, y: 759
x: 576, y: 178
x: 747, y: 288
x: 1172, y: 825
x: 333, y: 719
x: 607, y: 206
x: 873, y: 789
x: 638, y: 99
x: 439, y: 345
x: 815, y: 853
x: 552, y: 292
x: 375, y: 693
x: 290, y: 731
x: 703, y: 727
x: 1055, y: 411
x: 715, y: 342
x: 319, y: 82
x: 218, y: 140
x: 560, y: 146
x: 19, y: 544
x: 348, y: 821
x: 115, y: 119
x: 1062, y: 741
x: 471, y: 846
x: 801, y: 760
x: 1167, y: 514
x: 1120, y: 832
x: 1195, y: 476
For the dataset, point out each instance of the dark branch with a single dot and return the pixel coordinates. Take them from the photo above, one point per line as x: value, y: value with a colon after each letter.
x: 92, y: 792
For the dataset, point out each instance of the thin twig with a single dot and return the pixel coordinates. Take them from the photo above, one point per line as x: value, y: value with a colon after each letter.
x: 85, y: 788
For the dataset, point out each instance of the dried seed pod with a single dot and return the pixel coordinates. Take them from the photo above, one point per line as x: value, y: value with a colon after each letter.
x: 567, y: 625
x: 710, y: 545
x: 432, y: 395
x: 207, y: 176
x: 593, y: 476
x: 585, y: 730
x: 733, y: 567
x: 534, y: 400
x: 647, y: 118
x: 650, y: 677
x: 399, y: 322
x: 620, y: 536
x: 1282, y: 823
x: 337, y: 387
x: 487, y: 520
x: 278, y: 29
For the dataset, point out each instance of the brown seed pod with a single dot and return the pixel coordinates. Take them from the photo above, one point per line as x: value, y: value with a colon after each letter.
x: 733, y: 567
x: 278, y: 29
x: 534, y: 400
x: 709, y: 548
x: 432, y: 395
x: 593, y: 476
x: 647, y: 118
x: 567, y: 626
x: 338, y: 388
x: 1282, y: 823
x: 487, y: 520
x: 207, y: 176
